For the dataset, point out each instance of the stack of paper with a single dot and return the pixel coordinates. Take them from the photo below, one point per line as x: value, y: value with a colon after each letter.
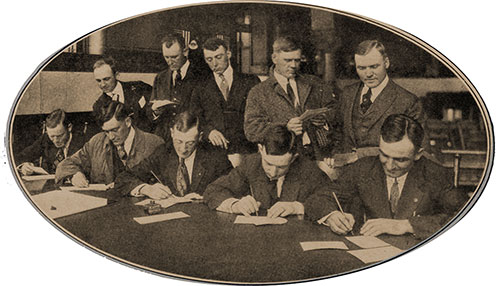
x: 36, y: 182
x: 172, y: 200
x: 374, y: 249
x: 314, y: 245
x: 90, y: 187
x: 59, y: 203
x: 160, y: 217
x: 259, y: 220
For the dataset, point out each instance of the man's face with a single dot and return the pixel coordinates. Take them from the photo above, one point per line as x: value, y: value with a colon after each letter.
x: 217, y: 60
x: 398, y: 158
x: 185, y: 143
x: 371, y: 68
x: 59, y: 135
x: 275, y: 166
x: 106, y: 79
x: 174, y: 56
x: 287, y: 63
x: 117, y: 131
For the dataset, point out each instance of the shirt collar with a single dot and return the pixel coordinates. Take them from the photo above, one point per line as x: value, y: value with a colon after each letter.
x: 117, y: 90
x: 376, y: 90
x: 282, y: 80
x: 66, y: 146
x: 184, y: 69
x: 189, y: 159
x: 127, y: 145
x: 228, y: 75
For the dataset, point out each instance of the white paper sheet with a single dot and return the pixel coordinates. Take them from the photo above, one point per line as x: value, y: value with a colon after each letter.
x: 160, y: 217
x: 259, y: 220
x: 314, y: 245
x: 91, y: 187
x: 39, y: 177
x: 367, y: 241
x: 375, y: 254
x: 165, y: 203
x: 58, y: 203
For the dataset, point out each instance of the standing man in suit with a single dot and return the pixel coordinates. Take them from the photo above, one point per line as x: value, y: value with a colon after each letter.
x: 276, y: 179
x: 133, y: 94
x: 172, y: 88
x: 398, y: 192
x: 186, y: 167
x: 368, y: 103
x: 285, y: 96
x: 110, y: 152
x: 220, y: 102
x: 56, y: 143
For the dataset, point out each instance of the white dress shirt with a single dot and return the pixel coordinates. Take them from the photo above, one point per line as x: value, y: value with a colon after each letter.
x: 390, y: 182
x: 283, y: 81
x: 183, y: 71
x: 228, y: 76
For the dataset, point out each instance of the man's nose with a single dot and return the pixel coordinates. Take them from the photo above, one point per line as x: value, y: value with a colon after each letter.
x: 390, y: 164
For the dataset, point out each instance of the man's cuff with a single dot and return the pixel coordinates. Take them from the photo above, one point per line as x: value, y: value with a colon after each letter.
x: 136, y: 192
x: 325, y: 218
x: 298, y: 208
x: 226, y: 205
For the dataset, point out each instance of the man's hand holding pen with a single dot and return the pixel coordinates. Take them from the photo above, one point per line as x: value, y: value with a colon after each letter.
x: 156, y: 191
x: 340, y: 223
x: 246, y: 206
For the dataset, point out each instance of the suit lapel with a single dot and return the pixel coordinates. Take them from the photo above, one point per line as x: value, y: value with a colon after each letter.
x: 377, y: 186
x: 350, y: 101
x: 382, y: 103
x: 198, y: 170
x: 304, y: 89
x: 411, y: 195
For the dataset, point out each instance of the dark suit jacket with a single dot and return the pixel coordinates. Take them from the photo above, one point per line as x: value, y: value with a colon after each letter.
x: 427, y: 199
x: 304, y: 183
x: 268, y: 104
x: 133, y: 92
x: 97, y: 158
x: 392, y: 100
x: 45, y: 149
x: 225, y: 116
x: 209, y: 164
x: 163, y: 88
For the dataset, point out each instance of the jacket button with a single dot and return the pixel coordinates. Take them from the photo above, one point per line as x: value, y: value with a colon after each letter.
x: 415, y: 200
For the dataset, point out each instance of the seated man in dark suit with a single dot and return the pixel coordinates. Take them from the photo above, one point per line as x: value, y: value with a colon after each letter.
x: 133, y: 94
x: 398, y: 192
x: 110, y: 152
x: 276, y: 179
x: 186, y: 167
x: 56, y: 143
x: 220, y: 102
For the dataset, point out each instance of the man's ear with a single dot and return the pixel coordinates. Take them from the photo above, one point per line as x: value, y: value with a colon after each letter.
x: 128, y: 122
x: 274, y: 58
x: 229, y: 54
x: 387, y: 63
x: 70, y: 127
x: 185, y: 52
x: 419, y: 154
x: 262, y: 149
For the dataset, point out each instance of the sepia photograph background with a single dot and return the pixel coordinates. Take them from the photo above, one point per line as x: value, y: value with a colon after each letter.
x: 36, y: 252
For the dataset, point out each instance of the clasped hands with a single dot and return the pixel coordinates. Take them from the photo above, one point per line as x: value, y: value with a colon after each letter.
x: 342, y: 223
x: 248, y: 205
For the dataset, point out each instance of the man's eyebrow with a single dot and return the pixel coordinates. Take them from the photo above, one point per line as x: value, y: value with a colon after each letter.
x: 394, y: 158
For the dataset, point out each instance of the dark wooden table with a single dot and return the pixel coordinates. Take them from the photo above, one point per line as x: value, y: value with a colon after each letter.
x: 208, y: 245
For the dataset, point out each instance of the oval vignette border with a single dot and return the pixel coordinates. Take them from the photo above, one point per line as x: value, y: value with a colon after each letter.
x: 422, y: 36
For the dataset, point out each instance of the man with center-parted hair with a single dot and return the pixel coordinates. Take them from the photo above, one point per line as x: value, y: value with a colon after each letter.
x: 110, y: 152
x: 399, y: 191
x: 57, y: 142
x: 220, y: 101
x: 185, y: 167
x: 276, y: 179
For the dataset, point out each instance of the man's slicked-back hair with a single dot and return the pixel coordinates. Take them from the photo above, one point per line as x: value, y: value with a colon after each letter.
x: 171, y: 38
x: 55, y: 118
x: 108, y: 60
x: 212, y: 44
x: 112, y: 109
x: 279, y: 141
x: 286, y: 44
x: 366, y: 46
x: 397, y: 126
x: 185, y: 121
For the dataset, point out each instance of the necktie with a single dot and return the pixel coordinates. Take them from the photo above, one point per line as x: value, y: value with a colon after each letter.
x: 116, y: 97
x: 178, y: 77
x: 182, y: 183
x: 224, y: 87
x: 121, y: 152
x: 394, y: 196
x: 59, y: 156
x: 366, y: 103
x: 290, y: 92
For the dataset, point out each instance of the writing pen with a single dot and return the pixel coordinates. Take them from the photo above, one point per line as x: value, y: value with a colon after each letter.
x: 156, y: 177
x: 340, y: 208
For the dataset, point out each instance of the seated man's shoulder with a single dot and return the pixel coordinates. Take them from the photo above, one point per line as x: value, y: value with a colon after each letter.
x: 149, y: 137
x: 432, y: 171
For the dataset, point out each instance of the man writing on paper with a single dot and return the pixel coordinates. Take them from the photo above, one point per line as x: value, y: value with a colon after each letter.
x: 110, y: 152
x: 285, y: 96
x: 133, y: 94
x: 398, y: 192
x: 220, y: 102
x: 276, y: 179
x: 186, y: 167
x: 56, y: 143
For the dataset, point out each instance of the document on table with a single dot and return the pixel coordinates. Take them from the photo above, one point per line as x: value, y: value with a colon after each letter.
x: 160, y: 217
x: 39, y: 177
x: 91, y: 187
x: 259, y: 220
x: 314, y: 245
x: 375, y: 254
x: 58, y: 203
x: 172, y: 200
x: 367, y: 241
